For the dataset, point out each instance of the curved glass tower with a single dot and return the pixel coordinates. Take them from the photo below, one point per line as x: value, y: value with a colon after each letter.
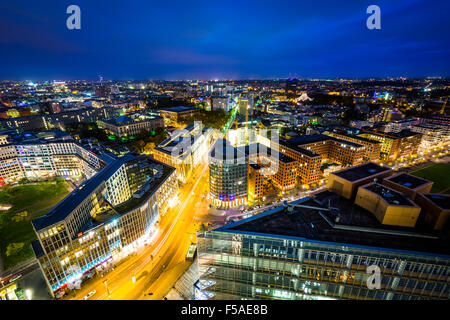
x: 228, y: 169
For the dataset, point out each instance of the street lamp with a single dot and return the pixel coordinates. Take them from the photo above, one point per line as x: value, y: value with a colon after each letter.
x: 107, y: 289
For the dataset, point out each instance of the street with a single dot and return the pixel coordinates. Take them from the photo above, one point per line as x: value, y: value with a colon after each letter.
x: 157, y: 266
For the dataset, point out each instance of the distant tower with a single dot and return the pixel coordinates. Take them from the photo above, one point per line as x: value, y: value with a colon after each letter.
x: 291, y: 87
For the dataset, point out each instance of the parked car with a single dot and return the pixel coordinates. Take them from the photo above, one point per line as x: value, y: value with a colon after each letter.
x: 90, y: 294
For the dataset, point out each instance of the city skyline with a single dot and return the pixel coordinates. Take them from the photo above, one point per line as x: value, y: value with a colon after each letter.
x: 245, y: 151
x: 124, y: 41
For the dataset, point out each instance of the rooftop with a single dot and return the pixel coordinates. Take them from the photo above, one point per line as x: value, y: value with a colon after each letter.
x: 257, y: 149
x: 128, y: 119
x: 315, y: 138
x: 441, y: 200
x: 294, y: 146
x: 390, y: 196
x: 223, y: 150
x: 401, y: 134
x: 180, y: 142
x: 408, y: 181
x: 309, y: 139
x: 76, y: 197
x: 148, y: 188
x: 347, y: 224
x: 28, y: 137
x: 361, y: 171
x: 355, y: 137
x: 178, y: 109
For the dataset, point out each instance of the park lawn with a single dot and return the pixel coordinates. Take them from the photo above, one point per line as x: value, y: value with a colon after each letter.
x: 439, y: 173
x: 13, y: 229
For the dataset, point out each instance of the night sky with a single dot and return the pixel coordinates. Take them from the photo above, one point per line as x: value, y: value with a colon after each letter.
x: 214, y: 39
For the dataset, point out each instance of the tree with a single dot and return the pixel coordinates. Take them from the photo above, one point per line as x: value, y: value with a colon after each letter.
x: 138, y: 145
x: 24, y: 180
x: 149, y: 146
x: 14, y: 248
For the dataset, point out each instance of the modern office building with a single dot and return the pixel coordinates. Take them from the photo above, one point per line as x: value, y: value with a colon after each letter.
x: 395, y: 145
x: 58, y: 120
x: 373, y: 147
x: 255, y: 181
x: 173, y: 114
x: 103, y: 219
x: 228, y: 175
x: 309, y: 162
x: 433, y: 136
x: 242, y: 136
x: 42, y: 154
x: 321, y: 248
x: 279, y: 168
x: 221, y: 102
x: 400, y: 125
x: 311, y: 151
x: 131, y: 125
x: 185, y: 149
x: 291, y: 87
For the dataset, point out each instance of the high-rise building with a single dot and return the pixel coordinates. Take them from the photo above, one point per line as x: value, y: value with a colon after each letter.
x: 228, y: 175
x: 291, y: 87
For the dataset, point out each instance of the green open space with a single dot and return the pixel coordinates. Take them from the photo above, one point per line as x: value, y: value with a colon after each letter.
x: 439, y: 173
x: 28, y: 202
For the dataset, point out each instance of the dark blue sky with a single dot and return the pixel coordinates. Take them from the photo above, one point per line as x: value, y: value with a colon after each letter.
x: 137, y: 39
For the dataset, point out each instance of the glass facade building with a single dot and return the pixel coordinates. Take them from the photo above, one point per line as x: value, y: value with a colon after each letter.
x: 102, y: 219
x: 247, y: 260
x: 228, y: 170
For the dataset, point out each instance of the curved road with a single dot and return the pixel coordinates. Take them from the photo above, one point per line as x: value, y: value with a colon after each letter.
x: 156, y: 275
